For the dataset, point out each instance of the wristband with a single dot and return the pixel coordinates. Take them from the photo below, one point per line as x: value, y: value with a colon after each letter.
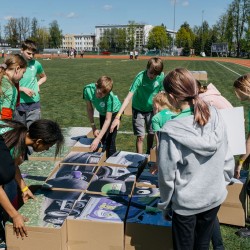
x: 241, y: 161
x: 118, y: 115
x: 24, y: 189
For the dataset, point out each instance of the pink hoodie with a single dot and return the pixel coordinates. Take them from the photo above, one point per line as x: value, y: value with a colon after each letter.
x: 214, y: 98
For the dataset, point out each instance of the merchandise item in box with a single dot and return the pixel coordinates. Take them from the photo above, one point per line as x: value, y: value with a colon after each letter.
x: 83, y: 157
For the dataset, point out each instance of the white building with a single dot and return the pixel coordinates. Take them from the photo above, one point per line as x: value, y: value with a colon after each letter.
x: 141, y: 32
x: 78, y: 42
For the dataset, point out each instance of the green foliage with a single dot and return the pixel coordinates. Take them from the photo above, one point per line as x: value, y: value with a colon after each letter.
x: 158, y: 38
x: 55, y: 39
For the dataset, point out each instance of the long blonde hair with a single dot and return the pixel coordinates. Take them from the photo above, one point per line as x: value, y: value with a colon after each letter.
x: 243, y: 84
x: 182, y: 85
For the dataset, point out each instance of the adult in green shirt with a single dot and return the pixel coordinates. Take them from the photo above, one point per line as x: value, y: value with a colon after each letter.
x: 99, y: 95
x: 145, y: 86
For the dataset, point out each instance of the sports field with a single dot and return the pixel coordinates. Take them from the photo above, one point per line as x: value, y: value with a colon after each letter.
x: 61, y: 96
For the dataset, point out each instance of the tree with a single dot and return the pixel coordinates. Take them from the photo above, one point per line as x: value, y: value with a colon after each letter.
x: 34, y: 29
x: 131, y: 35
x: 23, y: 26
x: 158, y: 38
x: 55, y: 39
x: 11, y: 32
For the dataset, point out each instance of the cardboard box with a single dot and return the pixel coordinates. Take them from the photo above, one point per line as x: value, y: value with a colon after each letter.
x: 144, y: 229
x: 99, y: 223
x: 233, y: 210
x: 46, y: 227
x: 153, y: 154
x: 36, y: 172
x: 200, y: 75
x: 83, y: 145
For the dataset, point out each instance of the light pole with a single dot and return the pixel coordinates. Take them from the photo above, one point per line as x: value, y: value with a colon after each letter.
x: 173, y: 29
x: 202, y: 45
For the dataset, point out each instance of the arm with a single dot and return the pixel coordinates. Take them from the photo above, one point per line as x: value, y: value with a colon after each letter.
x: 104, y: 129
x: 42, y: 79
x: 242, y: 159
x: 116, y: 122
x: 18, y: 220
x: 90, y: 112
x: 168, y: 156
x: 26, y: 193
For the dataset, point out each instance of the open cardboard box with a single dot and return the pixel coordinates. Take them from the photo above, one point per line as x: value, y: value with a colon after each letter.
x: 99, y: 223
x: 46, y: 225
x: 144, y: 229
x: 233, y: 210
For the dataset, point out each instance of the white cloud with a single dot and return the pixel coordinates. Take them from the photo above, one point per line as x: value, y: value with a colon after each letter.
x: 71, y: 15
x: 107, y: 7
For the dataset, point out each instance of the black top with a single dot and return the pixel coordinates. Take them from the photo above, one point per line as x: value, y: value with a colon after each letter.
x: 7, y: 165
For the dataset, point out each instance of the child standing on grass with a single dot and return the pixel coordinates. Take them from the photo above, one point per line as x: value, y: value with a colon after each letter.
x: 242, y: 91
x: 11, y: 71
x: 194, y: 163
x: 164, y: 112
x: 99, y: 95
x: 145, y: 86
x: 29, y: 109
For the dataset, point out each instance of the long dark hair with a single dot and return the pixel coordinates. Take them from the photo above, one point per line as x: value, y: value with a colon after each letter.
x: 47, y: 130
x: 182, y: 85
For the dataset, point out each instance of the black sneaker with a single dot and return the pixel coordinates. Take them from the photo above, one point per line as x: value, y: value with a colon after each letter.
x: 2, y: 245
x: 243, y: 232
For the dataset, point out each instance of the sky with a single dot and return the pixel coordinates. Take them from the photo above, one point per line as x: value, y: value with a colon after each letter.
x: 81, y: 16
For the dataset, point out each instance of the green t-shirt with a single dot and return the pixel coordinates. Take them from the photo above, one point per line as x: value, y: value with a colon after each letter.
x: 184, y: 113
x: 29, y: 80
x: 160, y: 119
x: 144, y: 89
x: 4, y: 130
x: 108, y: 103
x: 8, y: 94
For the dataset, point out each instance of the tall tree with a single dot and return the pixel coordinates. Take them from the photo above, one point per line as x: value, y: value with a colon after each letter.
x: 158, y: 38
x: 23, y: 25
x: 131, y: 35
x: 11, y: 32
x: 56, y: 36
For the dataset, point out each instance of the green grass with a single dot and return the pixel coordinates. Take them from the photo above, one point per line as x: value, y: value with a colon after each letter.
x: 61, y: 98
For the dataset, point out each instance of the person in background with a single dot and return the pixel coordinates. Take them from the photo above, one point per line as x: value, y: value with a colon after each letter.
x: 242, y: 91
x: 146, y: 85
x: 99, y: 95
x: 14, y: 138
x: 11, y: 71
x: 193, y: 159
x: 163, y: 112
x: 211, y: 95
x: 29, y: 109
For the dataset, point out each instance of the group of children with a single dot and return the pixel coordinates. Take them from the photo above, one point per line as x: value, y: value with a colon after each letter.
x: 193, y: 157
x: 21, y: 127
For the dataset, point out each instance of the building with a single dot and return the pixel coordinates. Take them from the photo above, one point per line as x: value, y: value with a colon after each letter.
x: 141, y: 32
x: 79, y: 42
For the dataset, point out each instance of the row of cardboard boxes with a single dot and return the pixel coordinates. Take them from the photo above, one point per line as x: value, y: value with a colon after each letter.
x: 88, y: 202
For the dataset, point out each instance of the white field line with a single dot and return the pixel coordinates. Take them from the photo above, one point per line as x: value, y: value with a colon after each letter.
x: 228, y: 68
x: 125, y: 132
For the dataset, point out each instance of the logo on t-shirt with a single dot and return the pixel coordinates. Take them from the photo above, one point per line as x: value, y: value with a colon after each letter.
x: 102, y: 104
x: 156, y: 84
x: 32, y: 67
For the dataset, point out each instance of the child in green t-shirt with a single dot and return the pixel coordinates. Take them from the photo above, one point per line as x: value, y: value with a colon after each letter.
x: 164, y: 112
x: 146, y: 85
x: 11, y: 71
x: 29, y: 109
x: 99, y: 95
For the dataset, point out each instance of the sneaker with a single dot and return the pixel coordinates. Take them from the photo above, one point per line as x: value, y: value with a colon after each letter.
x: 2, y: 245
x: 243, y: 232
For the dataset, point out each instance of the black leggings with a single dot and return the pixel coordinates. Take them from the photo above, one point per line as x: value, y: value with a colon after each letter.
x: 108, y: 140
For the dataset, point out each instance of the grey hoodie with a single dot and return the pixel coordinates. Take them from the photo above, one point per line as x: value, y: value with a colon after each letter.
x: 195, y: 164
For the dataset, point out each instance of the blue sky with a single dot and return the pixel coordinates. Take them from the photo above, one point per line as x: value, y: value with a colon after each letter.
x: 81, y: 16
